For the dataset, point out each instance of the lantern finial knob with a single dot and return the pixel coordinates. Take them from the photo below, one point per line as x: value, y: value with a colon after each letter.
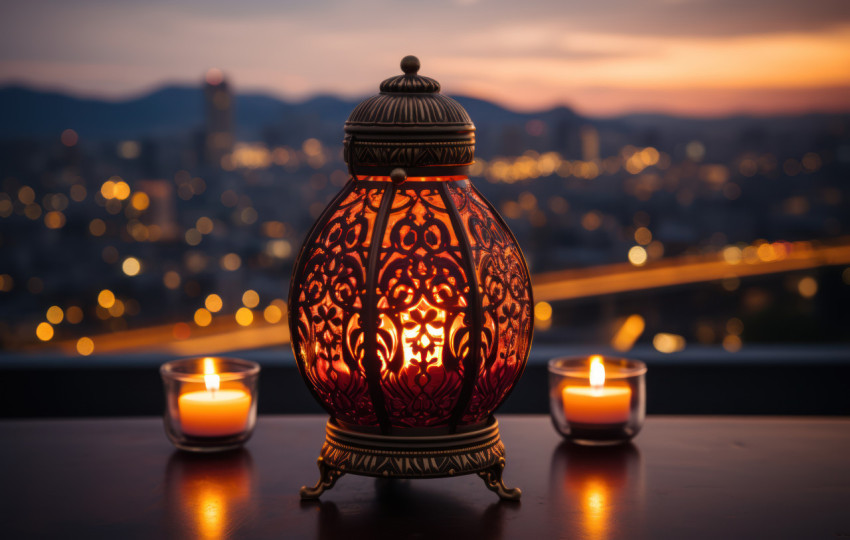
x: 410, y: 65
x: 398, y: 175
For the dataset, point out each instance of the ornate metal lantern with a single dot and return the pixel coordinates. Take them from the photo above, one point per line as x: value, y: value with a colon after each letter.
x: 410, y: 306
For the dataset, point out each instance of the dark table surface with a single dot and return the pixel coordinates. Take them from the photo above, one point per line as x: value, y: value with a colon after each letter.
x: 683, y: 477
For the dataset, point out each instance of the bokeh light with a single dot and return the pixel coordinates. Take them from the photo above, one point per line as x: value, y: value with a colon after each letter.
x: 131, y: 266
x: 85, y: 346
x: 213, y: 303
x: 55, y: 315
x: 44, y: 331
x: 244, y: 316
x: 203, y: 317
x: 637, y: 256
x: 251, y: 299
x: 106, y: 298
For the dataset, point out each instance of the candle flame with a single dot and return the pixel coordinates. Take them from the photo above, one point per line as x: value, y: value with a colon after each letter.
x: 597, y: 372
x: 209, y: 366
x: 211, y: 380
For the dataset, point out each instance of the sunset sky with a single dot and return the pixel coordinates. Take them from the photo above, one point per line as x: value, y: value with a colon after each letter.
x: 602, y: 57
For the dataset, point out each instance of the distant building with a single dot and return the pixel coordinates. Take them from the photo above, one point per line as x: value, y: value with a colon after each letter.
x: 218, y: 118
x: 162, y: 211
x: 589, y: 143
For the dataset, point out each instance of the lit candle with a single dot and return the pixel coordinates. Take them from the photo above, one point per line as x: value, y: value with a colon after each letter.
x: 214, y: 412
x: 597, y: 403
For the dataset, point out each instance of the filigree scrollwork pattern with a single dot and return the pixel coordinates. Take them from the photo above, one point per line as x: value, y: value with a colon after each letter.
x: 506, y: 294
x: 424, y: 321
x: 329, y: 304
x: 424, y: 293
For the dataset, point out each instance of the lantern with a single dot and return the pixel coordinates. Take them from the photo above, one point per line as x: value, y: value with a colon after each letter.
x: 410, y: 306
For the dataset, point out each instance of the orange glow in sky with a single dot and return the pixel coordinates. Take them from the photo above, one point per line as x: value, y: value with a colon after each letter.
x: 694, y: 57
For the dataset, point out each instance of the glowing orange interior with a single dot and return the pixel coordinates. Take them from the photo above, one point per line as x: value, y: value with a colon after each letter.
x: 429, y: 327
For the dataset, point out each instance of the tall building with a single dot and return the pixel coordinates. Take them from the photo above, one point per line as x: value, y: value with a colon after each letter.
x: 589, y: 143
x: 218, y: 117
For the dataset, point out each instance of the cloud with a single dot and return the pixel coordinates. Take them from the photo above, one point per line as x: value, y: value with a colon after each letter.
x: 533, y: 51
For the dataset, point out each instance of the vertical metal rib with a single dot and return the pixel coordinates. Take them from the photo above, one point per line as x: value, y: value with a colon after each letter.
x: 476, y: 311
x: 295, y: 280
x: 530, y: 292
x: 371, y: 364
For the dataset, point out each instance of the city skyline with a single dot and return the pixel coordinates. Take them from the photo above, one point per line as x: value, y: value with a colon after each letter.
x: 692, y: 58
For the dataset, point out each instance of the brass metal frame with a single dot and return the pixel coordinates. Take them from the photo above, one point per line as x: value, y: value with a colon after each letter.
x: 385, y: 456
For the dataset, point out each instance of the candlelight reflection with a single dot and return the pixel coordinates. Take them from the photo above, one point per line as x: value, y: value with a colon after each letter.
x: 599, y: 481
x: 208, y: 494
x: 594, y: 507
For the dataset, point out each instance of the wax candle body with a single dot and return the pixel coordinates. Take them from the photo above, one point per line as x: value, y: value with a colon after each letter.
x: 214, y: 413
x: 589, y: 405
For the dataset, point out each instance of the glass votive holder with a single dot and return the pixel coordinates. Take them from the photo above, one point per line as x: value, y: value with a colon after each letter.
x: 597, y: 400
x: 210, y: 402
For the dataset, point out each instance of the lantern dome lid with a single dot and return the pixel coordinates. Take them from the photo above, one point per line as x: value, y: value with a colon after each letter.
x: 410, y: 125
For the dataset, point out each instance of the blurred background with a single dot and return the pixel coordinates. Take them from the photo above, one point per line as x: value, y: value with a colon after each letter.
x: 676, y: 172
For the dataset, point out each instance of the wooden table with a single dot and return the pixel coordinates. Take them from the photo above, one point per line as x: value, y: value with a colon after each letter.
x: 684, y: 477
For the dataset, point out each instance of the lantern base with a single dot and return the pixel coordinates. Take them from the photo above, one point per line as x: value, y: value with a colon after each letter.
x: 347, y: 452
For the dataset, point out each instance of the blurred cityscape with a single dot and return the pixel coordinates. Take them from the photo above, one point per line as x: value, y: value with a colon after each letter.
x: 172, y: 221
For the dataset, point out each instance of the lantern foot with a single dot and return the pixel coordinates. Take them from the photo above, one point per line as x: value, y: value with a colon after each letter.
x: 386, y: 456
x: 492, y: 477
x: 327, y: 478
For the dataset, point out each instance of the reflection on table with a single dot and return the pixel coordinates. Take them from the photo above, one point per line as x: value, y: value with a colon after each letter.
x: 210, y: 493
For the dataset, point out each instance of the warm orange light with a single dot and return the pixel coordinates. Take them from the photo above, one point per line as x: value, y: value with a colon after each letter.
x: 423, y: 334
x: 543, y: 311
x: 628, y: 333
x: 231, y: 262
x: 251, y: 299
x: 202, y: 317
x: 595, y: 508
x: 54, y: 220
x: 106, y: 298
x: 85, y: 346
x: 97, y: 227
x: 213, y: 303
x: 55, y: 315
x: 244, y: 316
x: 131, y: 266
x: 807, y: 287
x: 597, y: 372
x: 108, y: 189
x: 272, y: 314
x: 643, y: 236
x: 596, y: 403
x: 637, y: 256
x: 44, y: 331
x: 121, y: 190
x: 732, y: 343
x: 668, y: 343
x: 211, y: 380
x: 211, y: 513
x: 140, y: 201
x: 204, y: 225
x: 74, y: 314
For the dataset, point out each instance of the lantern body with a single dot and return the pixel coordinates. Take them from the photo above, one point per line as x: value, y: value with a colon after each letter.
x: 410, y: 306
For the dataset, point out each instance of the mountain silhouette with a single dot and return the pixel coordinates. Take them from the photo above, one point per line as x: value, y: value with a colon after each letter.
x: 174, y: 110
x: 178, y: 111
